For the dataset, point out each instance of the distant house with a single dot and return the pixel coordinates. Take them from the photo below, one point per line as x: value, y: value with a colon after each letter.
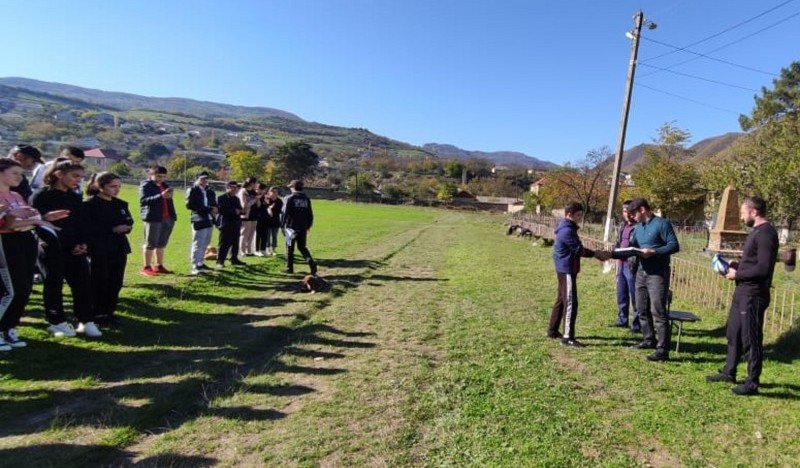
x: 253, y: 140
x: 464, y: 194
x: 65, y: 115
x: 497, y: 169
x: 103, y: 157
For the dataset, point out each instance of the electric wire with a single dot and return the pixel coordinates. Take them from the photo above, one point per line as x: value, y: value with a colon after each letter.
x: 708, y: 80
x: 731, y: 28
x: 698, y: 54
x: 701, y: 103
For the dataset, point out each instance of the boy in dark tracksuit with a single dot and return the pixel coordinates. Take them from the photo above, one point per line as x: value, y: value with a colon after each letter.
x: 753, y: 276
x: 296, y: 220
x: 567, y: 253
x: 229, y: 222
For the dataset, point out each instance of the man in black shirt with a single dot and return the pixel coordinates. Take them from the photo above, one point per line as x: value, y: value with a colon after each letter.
x: 753, y: 276
x: 296, y: 220
x: 229, y: 222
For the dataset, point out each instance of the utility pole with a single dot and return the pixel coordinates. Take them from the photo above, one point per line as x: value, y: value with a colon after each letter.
x: 638, y: 21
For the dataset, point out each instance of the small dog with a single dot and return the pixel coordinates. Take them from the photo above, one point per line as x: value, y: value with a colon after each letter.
x: 312, y: 284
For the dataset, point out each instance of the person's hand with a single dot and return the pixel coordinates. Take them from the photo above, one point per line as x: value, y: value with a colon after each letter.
x: 79, y: 249
x: 731, y: 274
x: 602, y: 255
x: 121, y: 229
x: 647, y: 253
x: 214, y: 211
x: 22, y: 212
x: 47, y: 224
x: 55, y: 215
x: 166, y: 194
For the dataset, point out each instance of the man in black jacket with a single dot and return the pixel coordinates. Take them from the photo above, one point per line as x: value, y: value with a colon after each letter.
x: 202, y: 201
x: 296, y: 220
x: 626, y: 274
x: 229, y: 223
x: 753, y: 276
x: 158, y: 215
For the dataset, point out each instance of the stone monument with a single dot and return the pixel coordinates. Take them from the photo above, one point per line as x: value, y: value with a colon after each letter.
x: 727, y: 236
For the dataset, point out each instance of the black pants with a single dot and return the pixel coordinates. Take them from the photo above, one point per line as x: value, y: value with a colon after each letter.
x: 20, y: 252
x: 566, y: 306
x: 746, y: 335
x: 651, y: 301
x: 300, y: 242
x: 228, y: 241
x: 108, y: 273
x: 62, y: 266
x: 266, y: 235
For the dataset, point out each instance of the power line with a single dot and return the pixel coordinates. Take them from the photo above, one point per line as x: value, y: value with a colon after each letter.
x: 701, y: 103
x: 731, y: 28
x: 723, y: 46
x: 698, y: 54
x: 709, y: 80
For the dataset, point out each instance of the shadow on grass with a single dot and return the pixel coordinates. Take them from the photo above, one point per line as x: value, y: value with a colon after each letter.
x: 46, y: 454
x: 786, y: 348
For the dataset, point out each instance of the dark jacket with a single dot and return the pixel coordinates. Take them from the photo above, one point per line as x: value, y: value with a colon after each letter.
x: 102, y: 216
x: 754, y: 272
x: 633, y: 261
x: 273, y: 209
x: 151, y: 201
x: 297, y: 213
x: 201, y: 213
x: 227, y: 206
x: 656, y: 234
x: 568, y: 250
x: 72, y: 228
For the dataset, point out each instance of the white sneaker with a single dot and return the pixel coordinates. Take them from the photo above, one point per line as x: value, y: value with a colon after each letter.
x: 89, y: 329
x: 3, y: 345
x: 194, y: 271
x: 12, y: 338
x: 259, y: 253
x: 219, y: 266
x: 61, y: 330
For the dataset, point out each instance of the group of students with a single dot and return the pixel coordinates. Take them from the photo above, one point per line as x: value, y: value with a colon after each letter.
x: 48, y: 229
x: 53, y: 232
x: 248, y: 217
x: 642, y: 254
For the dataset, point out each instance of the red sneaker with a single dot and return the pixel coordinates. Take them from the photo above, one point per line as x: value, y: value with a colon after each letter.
x: 162, y: 270
x: 147, y: 271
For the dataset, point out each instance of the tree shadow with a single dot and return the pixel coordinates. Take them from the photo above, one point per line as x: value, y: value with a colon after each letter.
x: 349, y: 263
x: 786, y: 348
x: 405, y: 278
x: 63, y: 454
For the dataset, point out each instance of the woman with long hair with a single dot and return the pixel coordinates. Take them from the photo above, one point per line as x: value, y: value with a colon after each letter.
x: 109, y: 222
x: 65, y: 259
x: 17, y: 252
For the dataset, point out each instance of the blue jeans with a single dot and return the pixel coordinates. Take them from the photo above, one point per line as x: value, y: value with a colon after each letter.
x: 626, y: 296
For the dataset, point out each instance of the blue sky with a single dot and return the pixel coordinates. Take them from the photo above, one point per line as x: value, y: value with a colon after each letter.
x: 542, y: 77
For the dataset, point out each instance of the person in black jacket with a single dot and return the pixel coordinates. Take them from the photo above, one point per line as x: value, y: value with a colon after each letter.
x: 109, y: 222
x: 296, y: 219
x: 626, y: 274
x: 229, y: 223
x: 158, y: 214
x: 274, y: 210
x: 28, y: 157
x: 753, y: 276
x: 202, y: 201
x: 64, y: 257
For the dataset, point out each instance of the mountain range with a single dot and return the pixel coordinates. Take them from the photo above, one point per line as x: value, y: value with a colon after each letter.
x: 291, y: 125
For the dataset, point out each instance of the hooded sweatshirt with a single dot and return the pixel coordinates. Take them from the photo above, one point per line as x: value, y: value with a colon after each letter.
x: 568, y: 250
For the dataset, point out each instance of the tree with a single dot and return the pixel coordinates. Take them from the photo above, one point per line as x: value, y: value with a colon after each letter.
x: 245, y: 164
x: 148, y: 152
x: 177, y: 166
x: 454, y: 169
x: 672, y: 186
x: 359, y: 186
x: 446, y: 191
x: 119, y: 168
x: 586, y: 182
x: 294, y: 160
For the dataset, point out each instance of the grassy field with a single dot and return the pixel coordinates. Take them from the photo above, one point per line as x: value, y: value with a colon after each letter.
x: 429, y: 350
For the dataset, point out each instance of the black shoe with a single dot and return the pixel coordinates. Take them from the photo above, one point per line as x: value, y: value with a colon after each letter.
x: 572, y: 343
x: 745, y: 389
x: 237, y: 262
x: 720, y: 377
x: 288, y: 270
x: 636, y: 330
x: 201, y: 266
x: 644, y: 345
x: 618, y: 325
x: 658, y: 356
x: 555, y: 336
x: 313, y: 265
